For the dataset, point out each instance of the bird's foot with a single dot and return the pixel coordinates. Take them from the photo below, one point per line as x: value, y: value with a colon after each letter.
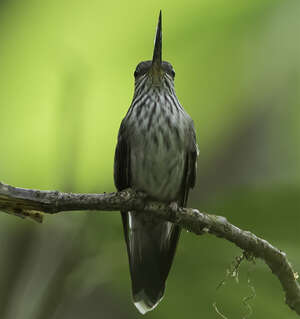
x: 141, y: 194
x: 174, y: 206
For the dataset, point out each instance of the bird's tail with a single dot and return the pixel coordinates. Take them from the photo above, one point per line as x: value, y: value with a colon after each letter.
x: 151, y: 246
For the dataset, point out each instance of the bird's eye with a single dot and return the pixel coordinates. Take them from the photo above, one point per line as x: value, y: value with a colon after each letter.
x: 171, y: 73
x: 142, y: 68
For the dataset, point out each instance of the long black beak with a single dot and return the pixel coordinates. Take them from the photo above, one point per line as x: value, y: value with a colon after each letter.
x: 157, y: 53
x: 157, y: 44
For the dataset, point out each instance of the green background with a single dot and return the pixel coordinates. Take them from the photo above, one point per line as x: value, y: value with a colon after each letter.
x: 66, y: 81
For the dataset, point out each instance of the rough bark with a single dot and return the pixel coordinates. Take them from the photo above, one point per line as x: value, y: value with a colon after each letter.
x: 33, y: 203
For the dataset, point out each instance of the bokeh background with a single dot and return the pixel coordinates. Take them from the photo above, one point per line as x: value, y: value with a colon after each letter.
x: 66, y: 81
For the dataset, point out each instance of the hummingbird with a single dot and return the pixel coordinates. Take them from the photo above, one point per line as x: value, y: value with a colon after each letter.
x: 156, y: 154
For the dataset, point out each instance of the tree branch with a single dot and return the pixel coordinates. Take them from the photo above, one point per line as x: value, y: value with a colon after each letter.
x: 32, y: 203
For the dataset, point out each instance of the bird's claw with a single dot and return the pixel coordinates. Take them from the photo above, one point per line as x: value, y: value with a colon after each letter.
x: 174, y: 206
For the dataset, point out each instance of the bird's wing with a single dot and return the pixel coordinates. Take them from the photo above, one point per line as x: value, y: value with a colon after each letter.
x: 122, y: 161
x: 122, y: 170
x: 188, y: 182
x: 189, y: 175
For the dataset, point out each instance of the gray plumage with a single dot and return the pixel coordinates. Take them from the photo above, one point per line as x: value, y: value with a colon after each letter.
x: 156, y: 153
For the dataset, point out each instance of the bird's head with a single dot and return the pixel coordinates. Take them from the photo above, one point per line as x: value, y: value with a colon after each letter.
x: 155, y: 72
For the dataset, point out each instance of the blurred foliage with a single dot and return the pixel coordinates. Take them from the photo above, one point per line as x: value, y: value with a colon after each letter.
x: 66, y: 81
